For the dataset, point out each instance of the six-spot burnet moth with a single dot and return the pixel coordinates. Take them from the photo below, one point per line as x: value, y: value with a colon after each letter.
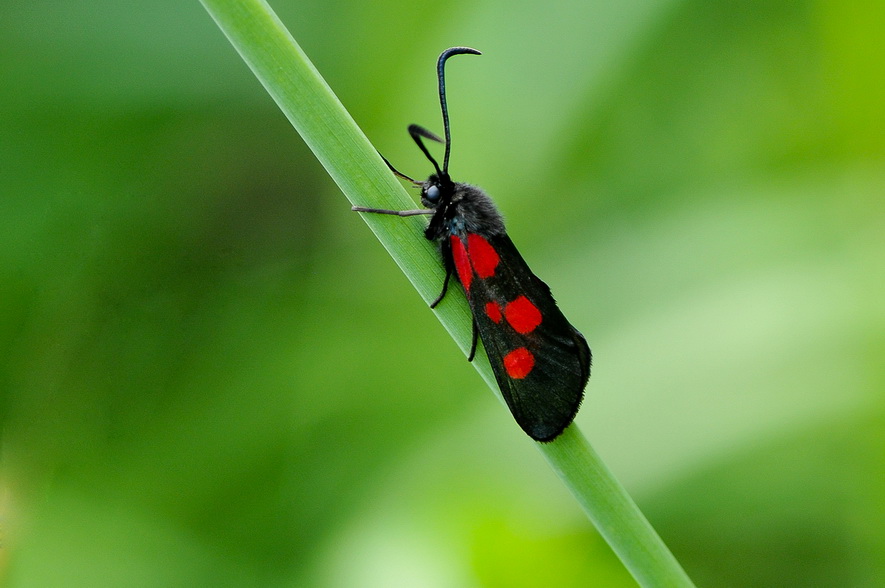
x: 541, y: 362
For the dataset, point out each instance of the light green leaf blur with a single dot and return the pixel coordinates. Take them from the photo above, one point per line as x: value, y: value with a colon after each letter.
x: 212, y: 374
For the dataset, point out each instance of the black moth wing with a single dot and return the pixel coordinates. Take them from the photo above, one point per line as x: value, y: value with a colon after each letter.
x: 545, y: 401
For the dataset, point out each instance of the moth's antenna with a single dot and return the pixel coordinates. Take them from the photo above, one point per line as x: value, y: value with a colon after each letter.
x: 440, y: 72
x: 417, y: 131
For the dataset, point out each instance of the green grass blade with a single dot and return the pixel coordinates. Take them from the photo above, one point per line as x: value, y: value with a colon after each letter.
x: 302, y: 94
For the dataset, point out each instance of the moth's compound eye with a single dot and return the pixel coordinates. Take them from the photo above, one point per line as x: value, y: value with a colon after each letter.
x: 432, y: 194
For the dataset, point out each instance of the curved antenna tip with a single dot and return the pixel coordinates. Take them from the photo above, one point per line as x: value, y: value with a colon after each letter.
x: 419, y: 130
x: 458, y: 51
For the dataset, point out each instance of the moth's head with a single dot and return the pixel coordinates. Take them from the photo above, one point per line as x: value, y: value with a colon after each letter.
x: 436, y: 190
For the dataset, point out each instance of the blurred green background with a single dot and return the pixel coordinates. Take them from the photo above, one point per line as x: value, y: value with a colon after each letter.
x: 213, y: 375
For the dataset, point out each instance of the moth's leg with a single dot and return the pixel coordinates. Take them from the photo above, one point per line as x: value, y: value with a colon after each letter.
x: 473, y: 343
x: 449, y: 270
x: 396, y: 212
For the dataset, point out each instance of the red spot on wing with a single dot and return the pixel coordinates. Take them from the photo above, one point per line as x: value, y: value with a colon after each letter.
x: 493, y: 311
x: 462, y: 263
x: 522, y: 315
x: 519, y: 363
x: 482, y: 255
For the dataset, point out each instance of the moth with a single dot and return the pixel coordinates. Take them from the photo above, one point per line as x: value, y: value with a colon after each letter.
x: 540, y: 361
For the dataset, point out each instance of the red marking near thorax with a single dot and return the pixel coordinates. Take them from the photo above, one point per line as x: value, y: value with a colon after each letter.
x: 522, y: 315
x: 462, y: 263
x: 482, y: 256
x: 477, y: 256
x: 519, y: 363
